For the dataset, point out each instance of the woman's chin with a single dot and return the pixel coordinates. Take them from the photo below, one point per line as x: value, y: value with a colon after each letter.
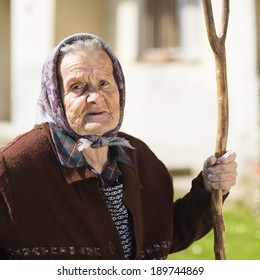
x: 93, y: 129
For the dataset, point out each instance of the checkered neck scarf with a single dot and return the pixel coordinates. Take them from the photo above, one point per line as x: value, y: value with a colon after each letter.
x: 50, y: 108
x: 69, y: 155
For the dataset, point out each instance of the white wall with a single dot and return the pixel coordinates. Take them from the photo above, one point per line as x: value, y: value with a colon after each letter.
x: 173, y: 106
x: 31, y: 40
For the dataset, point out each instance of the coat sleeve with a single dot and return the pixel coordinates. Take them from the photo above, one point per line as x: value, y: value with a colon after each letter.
x: 192, y: 216
x: 6, y: 202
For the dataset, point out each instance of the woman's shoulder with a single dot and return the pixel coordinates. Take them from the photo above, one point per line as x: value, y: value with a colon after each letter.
x: 141, y: 152
x: 32, y: 139
x: 134, y: 141
x: 19, y: 159
x: 140, y: 147
x: 27, y: 145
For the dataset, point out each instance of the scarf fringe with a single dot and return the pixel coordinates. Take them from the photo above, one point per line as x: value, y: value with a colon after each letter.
x: 99, y: 141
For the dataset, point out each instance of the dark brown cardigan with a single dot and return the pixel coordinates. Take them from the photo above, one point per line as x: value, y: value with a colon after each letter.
x: 48, y: 211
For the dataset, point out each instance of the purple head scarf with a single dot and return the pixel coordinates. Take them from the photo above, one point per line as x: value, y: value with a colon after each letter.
x: 50, y: 107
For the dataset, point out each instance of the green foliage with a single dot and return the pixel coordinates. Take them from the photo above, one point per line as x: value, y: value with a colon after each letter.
x: 242, y: 237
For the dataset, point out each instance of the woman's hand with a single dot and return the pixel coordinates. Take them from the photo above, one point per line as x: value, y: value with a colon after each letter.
x: 220, y: 173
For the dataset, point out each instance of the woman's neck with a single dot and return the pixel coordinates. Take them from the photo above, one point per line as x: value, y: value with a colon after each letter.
x: 97, y: 158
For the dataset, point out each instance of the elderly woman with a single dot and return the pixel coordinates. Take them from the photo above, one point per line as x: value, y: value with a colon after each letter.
x: 74, y: 187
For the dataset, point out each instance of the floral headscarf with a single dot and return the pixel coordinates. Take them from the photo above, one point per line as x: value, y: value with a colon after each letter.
x: 50, y: 107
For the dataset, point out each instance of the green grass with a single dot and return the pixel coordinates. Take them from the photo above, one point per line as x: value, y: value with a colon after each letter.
x: 242, y: 237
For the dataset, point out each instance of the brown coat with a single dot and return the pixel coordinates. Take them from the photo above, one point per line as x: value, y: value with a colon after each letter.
x: 48, y: 211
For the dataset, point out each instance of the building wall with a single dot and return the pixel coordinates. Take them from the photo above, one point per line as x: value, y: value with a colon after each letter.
x: 257, y: 13
x: 5, y: 60
x: 32, y: 37
x: 172, y: 106
x: 79, y: 16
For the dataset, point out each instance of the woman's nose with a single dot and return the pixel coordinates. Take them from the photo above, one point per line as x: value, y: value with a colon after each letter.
x: 94, y: 96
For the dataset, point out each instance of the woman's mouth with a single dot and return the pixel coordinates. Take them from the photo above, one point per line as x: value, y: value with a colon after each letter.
x: 95, y: 113
x: 95, y: 116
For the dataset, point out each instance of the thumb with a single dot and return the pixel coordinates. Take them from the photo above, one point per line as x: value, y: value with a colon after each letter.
x: 210, y: 161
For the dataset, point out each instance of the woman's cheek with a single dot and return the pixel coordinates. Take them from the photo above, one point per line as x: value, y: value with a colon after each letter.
x: 75, y: 106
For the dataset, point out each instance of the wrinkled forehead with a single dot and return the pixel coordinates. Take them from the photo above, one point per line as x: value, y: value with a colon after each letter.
x: 104, y: 51
x: 50, y: 67
x: 71, y: 45
x: 85, y: 59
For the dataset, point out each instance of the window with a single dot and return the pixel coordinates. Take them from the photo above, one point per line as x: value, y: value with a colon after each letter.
x: 167, y: 27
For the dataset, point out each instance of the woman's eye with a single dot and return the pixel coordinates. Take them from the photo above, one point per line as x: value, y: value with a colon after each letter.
x: 103, y: 83
x: 77, y: 87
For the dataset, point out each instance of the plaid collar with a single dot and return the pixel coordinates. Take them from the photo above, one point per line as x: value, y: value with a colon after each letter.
x: 69, y: 155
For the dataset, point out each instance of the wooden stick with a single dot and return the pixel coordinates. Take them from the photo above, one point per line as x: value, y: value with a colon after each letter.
x: 217, y: 43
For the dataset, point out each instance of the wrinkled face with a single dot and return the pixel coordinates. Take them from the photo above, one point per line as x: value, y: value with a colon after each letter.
x: 89, y: 92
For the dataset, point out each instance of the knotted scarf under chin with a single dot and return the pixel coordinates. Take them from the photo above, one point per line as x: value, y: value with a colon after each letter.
x: 99, y: 141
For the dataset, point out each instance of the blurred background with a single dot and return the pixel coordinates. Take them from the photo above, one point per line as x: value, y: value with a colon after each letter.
x: 171, y: 89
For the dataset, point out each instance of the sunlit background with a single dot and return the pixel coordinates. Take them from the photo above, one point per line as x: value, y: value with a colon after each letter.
x: 171, y: 88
